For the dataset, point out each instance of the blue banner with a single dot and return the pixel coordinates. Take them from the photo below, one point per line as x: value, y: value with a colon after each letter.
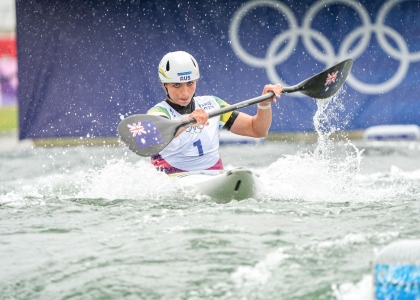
x: 84, y: 64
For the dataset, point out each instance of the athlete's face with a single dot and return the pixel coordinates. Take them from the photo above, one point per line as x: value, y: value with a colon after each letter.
x: 181, y: 93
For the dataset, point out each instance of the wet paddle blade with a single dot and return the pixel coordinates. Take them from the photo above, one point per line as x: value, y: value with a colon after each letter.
x: 147, y: 135
x: 325, y: 84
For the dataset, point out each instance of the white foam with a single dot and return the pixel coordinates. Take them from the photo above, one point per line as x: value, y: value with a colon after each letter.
x: 362, y: 290
x: 348, y: 239
x: 120, y: 179
x: 117, y: 180
x: 259, y: 274
x: 306, y: 177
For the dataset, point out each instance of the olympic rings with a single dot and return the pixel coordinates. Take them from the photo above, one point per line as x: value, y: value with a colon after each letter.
x: 348, y: 49
x: 195, y: 129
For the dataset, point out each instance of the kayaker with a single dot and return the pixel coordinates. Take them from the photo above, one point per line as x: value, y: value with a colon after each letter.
x: 196, y: 147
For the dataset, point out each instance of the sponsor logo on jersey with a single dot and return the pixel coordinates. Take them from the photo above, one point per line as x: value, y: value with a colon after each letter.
x: 207, y: 105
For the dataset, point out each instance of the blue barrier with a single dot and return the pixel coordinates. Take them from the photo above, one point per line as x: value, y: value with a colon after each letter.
x: 397, y: 271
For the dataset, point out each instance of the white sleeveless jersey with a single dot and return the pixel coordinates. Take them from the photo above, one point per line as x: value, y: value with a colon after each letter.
x: 197, y: 148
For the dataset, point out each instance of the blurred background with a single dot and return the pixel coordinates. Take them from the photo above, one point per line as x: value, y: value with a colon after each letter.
x: 8, y: 74
x: 70, y: 70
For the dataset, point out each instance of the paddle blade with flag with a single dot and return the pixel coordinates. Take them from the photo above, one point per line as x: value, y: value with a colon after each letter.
x: 146, y: 135
x: 325, y: 84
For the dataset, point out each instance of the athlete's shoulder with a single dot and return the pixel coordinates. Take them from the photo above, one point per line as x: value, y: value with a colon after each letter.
x: 160, y: 109
x: 222, y: 103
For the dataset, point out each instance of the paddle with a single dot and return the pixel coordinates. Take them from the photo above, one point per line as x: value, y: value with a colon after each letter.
x: 147, y: 135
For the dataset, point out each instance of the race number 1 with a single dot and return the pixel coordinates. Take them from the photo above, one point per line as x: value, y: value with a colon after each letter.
x: 199, y: 147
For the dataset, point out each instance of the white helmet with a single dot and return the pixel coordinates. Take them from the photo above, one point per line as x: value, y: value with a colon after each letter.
x: 177, y: 67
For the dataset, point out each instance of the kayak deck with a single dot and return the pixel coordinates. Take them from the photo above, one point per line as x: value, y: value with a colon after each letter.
x: 223, y: 185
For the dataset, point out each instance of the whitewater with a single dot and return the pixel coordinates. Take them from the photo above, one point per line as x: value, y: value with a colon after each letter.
x: 101, y: 223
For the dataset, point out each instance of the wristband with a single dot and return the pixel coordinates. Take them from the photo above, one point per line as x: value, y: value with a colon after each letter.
x: 264, y: 107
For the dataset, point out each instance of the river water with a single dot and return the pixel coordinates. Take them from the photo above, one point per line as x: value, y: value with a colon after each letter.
x: 100, y: 223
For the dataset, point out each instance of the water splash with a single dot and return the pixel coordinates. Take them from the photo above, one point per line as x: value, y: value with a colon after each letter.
x: 328, y: 121
x: 117, y: 180
x: 327, y: 173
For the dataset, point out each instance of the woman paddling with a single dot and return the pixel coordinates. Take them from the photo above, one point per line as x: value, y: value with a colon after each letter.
x: 196, y: 146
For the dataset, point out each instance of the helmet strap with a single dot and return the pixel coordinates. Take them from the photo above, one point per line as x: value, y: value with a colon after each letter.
x: 167, y: 93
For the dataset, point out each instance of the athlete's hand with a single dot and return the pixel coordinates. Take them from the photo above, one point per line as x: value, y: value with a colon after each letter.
x: 200, y: 116
x: 275, y: 88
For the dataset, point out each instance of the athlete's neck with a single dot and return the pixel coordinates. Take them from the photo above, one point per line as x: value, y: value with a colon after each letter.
x: 183, y: 110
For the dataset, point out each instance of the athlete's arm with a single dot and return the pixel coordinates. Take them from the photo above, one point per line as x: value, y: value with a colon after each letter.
x: 258, y: 125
